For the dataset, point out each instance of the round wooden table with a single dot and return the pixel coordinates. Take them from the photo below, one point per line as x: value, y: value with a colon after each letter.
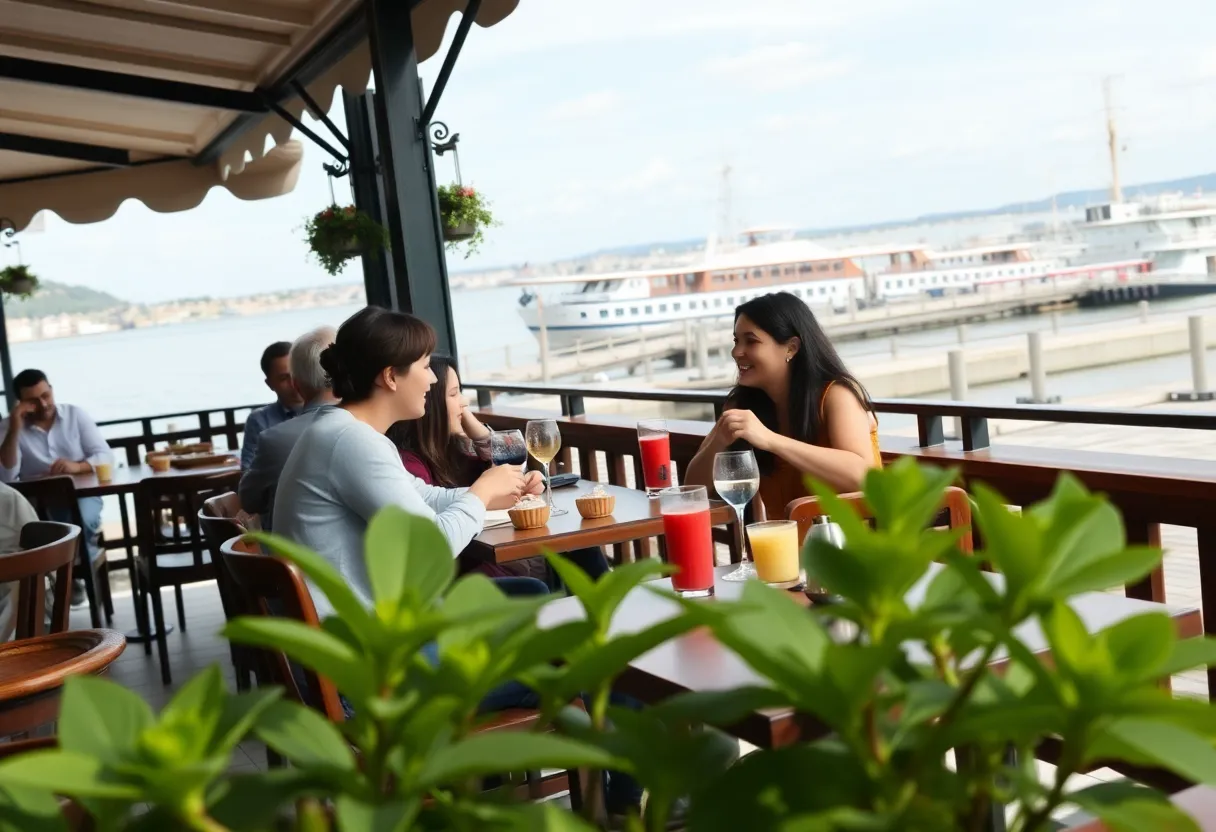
x: 33, y: 670
x: 125, y: 480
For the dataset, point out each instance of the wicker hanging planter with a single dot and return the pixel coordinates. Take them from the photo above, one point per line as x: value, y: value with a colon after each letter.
x: 465, y: 214
x: 18, y: 281
x: 338, y: 234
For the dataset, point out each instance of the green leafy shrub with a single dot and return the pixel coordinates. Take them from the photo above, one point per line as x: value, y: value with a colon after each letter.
x: 337, y: 234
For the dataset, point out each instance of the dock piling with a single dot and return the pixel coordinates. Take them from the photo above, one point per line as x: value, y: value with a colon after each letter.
x: 1200, y: 391
x: 1143, y: 306
x: 1038, y: 372
x: 958, y: 383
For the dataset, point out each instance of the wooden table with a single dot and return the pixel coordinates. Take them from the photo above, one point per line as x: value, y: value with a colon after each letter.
x: 696, y: 661
x: 635, y: 516
x: 126, y: 480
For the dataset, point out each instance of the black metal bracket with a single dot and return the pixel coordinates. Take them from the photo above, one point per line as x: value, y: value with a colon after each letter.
x: 343, y: 165
x: 421, y: 125
x: 441, y: 144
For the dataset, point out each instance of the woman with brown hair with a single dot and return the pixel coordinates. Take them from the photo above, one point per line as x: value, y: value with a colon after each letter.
x: 448, y: 447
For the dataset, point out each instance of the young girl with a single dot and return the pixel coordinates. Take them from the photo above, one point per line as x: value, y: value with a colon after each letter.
x: 795, y: 405
x: 448, y: 447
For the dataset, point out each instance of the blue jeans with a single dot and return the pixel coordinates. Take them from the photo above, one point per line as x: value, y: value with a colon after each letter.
x: 90, y: 514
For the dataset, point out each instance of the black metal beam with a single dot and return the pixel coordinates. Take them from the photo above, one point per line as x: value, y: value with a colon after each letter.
x: 340, y: 42
x: 412, y: 207
x: 318, y: 113
x: 449, y: 63
x: 368, y: 188
x: 94, y: 154
x: 307, y: 131
x: 135, y: 86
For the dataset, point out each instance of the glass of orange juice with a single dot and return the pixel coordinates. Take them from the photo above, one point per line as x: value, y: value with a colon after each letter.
x: 775, y: 551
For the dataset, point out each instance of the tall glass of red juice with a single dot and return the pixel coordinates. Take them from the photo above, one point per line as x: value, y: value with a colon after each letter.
x: 690, y: 545
x: 654, y: 447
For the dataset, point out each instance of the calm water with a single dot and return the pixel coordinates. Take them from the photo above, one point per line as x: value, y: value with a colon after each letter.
x: 214, y: 363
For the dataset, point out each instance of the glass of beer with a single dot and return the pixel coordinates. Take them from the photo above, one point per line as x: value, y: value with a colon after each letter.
x: 104, y: 471
x: 690, y: 545
x: 775, y: 552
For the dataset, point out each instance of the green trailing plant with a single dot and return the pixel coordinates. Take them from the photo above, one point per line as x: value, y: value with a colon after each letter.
x: 341, y: 232
x: 464, y: 214
x: 896, y: 675
x: 18, y: 281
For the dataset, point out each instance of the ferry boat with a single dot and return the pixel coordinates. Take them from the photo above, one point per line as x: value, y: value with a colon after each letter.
x: 711, y: 287
x: 1176, y: 235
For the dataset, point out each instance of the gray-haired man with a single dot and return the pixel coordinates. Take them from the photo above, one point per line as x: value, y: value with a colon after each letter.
x: 259, y: 482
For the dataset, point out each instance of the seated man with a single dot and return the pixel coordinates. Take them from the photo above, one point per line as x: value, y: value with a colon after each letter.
x: 312, y: 385
x: 277, y: 370
x: 42, y: 438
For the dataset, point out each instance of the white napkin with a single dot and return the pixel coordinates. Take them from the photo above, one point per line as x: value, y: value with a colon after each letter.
x: 496, y: 518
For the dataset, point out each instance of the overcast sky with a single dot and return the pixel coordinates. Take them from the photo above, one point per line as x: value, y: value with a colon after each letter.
x: 595, y: 123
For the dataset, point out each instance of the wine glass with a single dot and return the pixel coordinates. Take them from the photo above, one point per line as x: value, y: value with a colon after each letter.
x: 544, y: 440
x: 507, y: 448
x: 737, y: 479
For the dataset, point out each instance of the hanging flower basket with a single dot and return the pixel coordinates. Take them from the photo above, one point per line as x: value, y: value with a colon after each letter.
x: 337, y: 234
x: 465, y: 215
x: 18, y: 281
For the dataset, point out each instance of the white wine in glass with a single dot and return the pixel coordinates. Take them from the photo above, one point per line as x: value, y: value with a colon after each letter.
x: 544, y: 440
x: 737, y: 479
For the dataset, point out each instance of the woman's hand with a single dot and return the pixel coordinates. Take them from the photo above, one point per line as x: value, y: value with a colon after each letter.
x: 534, y: 482
x: 470, y: 425
x: 743, y: 424
x: 499, y: 487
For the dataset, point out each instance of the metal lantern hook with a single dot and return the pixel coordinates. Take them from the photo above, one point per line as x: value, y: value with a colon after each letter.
x: 441, y: 144
x: 8, y: 231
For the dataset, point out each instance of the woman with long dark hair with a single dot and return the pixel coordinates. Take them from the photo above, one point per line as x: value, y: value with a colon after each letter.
x: 447, y: 446
x: 795, y: 404
x: 343, y: 469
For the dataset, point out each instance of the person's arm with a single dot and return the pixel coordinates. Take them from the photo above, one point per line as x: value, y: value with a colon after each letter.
x: 841, y: 464
x: 249, y: 443
x: 96, y: 448
x: 10, y: 448
x: 258, y: 482
x: 369, y: 476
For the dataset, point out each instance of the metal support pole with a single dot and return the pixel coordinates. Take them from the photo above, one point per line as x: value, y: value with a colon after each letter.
x: 6, y: 363
x: 1200, y: 391
x: 368, y: 189
x: 958, y: 383
x: 411, y: 202
x: 544, y: 339
x: 1038, y: 372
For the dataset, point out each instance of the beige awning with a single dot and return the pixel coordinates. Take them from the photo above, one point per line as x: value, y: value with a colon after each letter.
x: 235, y: 45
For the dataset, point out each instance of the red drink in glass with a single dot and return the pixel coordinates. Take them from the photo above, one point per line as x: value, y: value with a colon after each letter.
x: 654, y: 448
x: 690, y: 546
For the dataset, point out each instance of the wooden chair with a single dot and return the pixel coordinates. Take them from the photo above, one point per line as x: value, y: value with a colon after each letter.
x: 955, y: 514
x: 174, y: 555
x: 55, y: 497
x: 273, y: 587
x: 46, y: 549
x: 217, y: 518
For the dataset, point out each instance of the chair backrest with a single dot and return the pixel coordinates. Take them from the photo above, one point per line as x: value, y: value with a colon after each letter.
x: 218, y: 527
x: 269, y: 586
x: 52, y: 494
x: 955, y: 513
x: 46, y: 549
x: 182, y: 497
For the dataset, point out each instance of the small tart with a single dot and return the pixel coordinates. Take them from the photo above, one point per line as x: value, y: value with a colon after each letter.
x: 530, y: 517
x: 596, y: 504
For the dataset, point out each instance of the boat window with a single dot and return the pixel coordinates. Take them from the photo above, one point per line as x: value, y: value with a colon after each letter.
x: 649, y: 310
x: 823, y: 290
x: 675, y: 307
x: 633, y: 310
x: 775, y: 271
x: 899, y: 284
x: 582, y: 314
x: 603, y: 313
x: 823, y: 267
x: 803, y: 268
x: 758, y: 273
x: 838, y: 266
x: 717, y: 301
x: 620, y: 311
x: 690, y: 279
x: 662, y: 307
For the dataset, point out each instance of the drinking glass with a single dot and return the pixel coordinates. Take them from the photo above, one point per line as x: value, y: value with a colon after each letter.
x: 544, y: 440
x: 690, y: 544
x: 654, y: 447
x: 774, y: 548
x: 737, y: 479
x: 507, y: 448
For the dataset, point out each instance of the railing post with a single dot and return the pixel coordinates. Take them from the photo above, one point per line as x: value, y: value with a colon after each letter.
x: 958, y: 383
x: 204, y: 426
x: 485, y: 398
x: 975, y: 433
x: 929, y: 430
x: 573, y: 405
x: 1200, y: 391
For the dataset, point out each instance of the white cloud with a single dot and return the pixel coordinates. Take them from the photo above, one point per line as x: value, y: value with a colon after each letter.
x: 777, y: 67
x: 588, y: 107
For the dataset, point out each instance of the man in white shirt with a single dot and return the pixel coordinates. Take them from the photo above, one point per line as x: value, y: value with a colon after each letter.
x: 42, y: 438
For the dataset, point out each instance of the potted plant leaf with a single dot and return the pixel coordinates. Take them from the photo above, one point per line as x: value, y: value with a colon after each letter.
x: 465, y: 214
x: 18, y: 280
x: 339, y: 233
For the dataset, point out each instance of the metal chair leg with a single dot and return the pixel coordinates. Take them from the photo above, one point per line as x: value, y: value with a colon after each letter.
x: 181, y: 607
x: 162, y: 644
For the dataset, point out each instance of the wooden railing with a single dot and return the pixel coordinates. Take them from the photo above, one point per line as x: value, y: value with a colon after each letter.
x: 1149, y: 491
x: 225, y: 424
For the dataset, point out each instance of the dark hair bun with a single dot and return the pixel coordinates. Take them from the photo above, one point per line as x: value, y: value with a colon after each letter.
x: 339, y: 377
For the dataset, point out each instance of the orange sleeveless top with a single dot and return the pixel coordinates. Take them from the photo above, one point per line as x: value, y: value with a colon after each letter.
x: 785, y: 483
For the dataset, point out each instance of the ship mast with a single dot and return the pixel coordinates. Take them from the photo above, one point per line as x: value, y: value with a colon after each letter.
x: 723, y: 236
x: 1112, y: 135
